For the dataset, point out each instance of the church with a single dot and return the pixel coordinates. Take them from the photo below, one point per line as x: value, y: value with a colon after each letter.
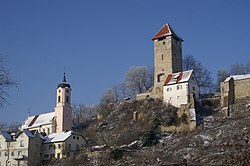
x: 53, y: 122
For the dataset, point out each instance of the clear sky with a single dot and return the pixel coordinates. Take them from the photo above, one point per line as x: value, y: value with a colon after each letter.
x: 96, y: 42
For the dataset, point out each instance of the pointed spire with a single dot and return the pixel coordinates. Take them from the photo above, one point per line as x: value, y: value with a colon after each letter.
x: 63, y: 84
x: 64, y: 77
x: 166, y: 30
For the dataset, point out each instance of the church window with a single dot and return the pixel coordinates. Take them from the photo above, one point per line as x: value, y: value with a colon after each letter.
x: 67, y: 99
x: 12, y: 153
x: 162, y: 57
x: 59, y: 90
x: 59, y: 146
x: 59, y: 98
x: 6, y: 154
x: 74, y: 137
x: 67, y: 91
x: 163, y: 42
x: 58, y: 155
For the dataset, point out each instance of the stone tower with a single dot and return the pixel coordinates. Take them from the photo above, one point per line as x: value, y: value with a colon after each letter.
x: 63, y: 110
x: 167, y: 57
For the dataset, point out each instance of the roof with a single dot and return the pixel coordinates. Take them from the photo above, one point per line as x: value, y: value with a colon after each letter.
x: 179, y: 77
x: 238, y: 77
x: 64, y: 84
x: 165, y: 31
x: 38, y: 120
x: 57, y: 137
x: 26, y: 132
x: 6, y: 135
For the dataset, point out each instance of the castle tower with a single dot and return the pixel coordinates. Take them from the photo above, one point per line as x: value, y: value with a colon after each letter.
x: 63, y: 110
x: 167, y: 57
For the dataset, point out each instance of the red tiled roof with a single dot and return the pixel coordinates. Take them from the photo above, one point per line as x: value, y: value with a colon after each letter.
x: 166, y: 30
x: 179, y: 77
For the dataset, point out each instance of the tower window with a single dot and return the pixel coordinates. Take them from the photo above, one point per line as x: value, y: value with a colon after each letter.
x: 162, y: 57
x: 163, y: 43
x: 67, y: 99
x: 59, y: 98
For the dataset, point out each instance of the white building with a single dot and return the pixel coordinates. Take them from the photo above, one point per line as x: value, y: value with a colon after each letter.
x: 178, y: 86
x: 58, y: 145
x: 20, y: 149
x: 27, y: 148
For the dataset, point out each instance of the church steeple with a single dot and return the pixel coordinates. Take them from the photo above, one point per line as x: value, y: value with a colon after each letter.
x: 63, y: 110
x: 63, y: 84
x: 64, y: 77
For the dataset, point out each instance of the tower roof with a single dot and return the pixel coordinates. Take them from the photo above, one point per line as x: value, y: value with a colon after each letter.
x: 64, y: 84
x: 165, y: 31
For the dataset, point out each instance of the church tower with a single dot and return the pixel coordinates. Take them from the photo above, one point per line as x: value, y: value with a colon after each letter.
x: 167, y: 57
x: 63, y: 109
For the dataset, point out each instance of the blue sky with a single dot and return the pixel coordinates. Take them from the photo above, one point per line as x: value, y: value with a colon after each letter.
x: 96, y: 42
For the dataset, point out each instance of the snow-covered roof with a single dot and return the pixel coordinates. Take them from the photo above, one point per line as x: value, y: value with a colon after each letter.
x: 38, y: 120
x: 179, y: 77
x: 238, y: 77
x: 6, y: 135
x: 57, y: 137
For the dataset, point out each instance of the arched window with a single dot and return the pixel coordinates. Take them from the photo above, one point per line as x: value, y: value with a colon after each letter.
x: 67, y: 99
x: 59, y: 99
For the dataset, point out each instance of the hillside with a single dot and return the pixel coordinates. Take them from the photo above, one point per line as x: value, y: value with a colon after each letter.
x: 123, y: 141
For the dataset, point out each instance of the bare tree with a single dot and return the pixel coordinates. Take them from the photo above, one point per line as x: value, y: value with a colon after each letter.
x: 5, y: 81
x: 221, y: 76
x: 237, y: 69
x: 82, y: 115
x: 202, y: 75
x: 247, y: 66
x: 139, y: 79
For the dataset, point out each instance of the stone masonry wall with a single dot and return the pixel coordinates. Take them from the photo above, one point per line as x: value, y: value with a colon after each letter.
x: 242, y: 88
x: 167, y: 60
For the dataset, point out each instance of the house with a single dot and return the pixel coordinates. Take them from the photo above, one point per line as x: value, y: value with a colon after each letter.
x: 22, y: 148
x: 58, y: 145
x: 178, y: 86
x: 28, y: 148
x: 235, y: 88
